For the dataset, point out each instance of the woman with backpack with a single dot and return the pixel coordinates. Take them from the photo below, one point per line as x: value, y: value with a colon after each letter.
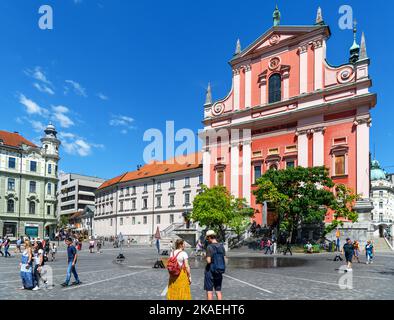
x: 180, y: 276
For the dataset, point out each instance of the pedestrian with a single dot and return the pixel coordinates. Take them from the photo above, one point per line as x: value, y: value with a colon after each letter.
x: 38, y: 254
x: 6, y: 245
x: 1, y: 245
x: 369, y: 252
x: 338, y: 240
x: 128, y: 242
x: 19, y: 244
x: 72, y: 257
x: 215, y: 267
x: 91, y: 245
x: 262, y: 244
x: 170, y: 247
x: 288, y: 248
x: 268, y: 245
x: 158, y: 246
x: 180, y: 275
x: 274, y: 245
x: 99, y: 246
x: 348, y: 251
x: 309, y: 247
x: 199, y: 248
x: 356, y: 246
x: 53, y: 251
x: 26, y: 267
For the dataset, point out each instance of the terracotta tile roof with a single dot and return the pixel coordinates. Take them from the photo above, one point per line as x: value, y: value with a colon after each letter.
x: 14, y: 139
x: 111, y: 182
x: 177, y: 164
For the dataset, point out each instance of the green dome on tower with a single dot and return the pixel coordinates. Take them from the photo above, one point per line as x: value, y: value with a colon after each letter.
x: 377, y: 173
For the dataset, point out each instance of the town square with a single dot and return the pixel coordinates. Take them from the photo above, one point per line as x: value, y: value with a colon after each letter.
x: 183, y: 153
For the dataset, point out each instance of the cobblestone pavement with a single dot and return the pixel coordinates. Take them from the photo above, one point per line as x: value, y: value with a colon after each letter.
x: 250, y: 275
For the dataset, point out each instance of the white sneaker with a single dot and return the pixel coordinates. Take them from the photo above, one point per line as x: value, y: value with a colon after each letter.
x: 36, y: 288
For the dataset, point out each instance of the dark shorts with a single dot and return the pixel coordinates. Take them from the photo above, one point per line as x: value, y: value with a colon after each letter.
x: 213, y: 281
x: 349, y: 257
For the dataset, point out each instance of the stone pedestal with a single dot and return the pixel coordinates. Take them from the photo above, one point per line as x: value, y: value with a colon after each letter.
x: 362, y: 230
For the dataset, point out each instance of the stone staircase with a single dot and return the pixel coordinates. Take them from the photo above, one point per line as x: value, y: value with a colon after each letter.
x: 381, y: 245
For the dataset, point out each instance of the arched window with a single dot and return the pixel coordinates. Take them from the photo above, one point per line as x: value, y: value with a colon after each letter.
x: 10, y: 206
x: 273, y: 167
x: 275, y: 88
x: 32, y: 207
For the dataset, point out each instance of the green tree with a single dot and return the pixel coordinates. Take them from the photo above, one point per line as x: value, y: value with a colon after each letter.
x: 63, y: 222
x: 215, y: 208
x: 299, y: 195
x: 239, y: 224
x: 342, y: 207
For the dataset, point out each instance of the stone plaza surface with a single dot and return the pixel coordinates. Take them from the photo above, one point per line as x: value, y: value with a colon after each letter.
x: 311, y: 277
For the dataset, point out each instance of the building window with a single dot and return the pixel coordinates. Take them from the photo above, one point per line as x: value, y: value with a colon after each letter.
x: 32, y: 207
x: 134, y: 190
x: 275, y: 88
x: 187, y: 199
x: 133, y: 204
x: 340, y: 167
x: 220, y: 178
x: 290, y: 164
x: 121, y: 192
x: 49, y: 188
x: 144, y: 203
x: 33, y: 187
x: 133, y: 220
x: 158, y: 186
x: 10, y: 206
x: 158, y: 219
x: 48, y: 210
x: 172, y: 201
x: 127, y: 191
x: 49, y: 169
x: 380, y: 193
x: 145, y: 188
x: 171, y: 218
x: 158, y: 202
x: 11, y: 163
x: 33, y: 166
x: 187, y: 181
x: 200, y: 179
x: 121, y: 221
x: 110, y: 222
x: 11, y: 184
x: 121, y: 206
x: 172, y: 184
x: 145, y: 220
x: 257, y: 173
x: 380, y: 205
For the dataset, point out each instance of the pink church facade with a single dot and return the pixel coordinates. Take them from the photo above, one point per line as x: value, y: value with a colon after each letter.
x: 288, y: 107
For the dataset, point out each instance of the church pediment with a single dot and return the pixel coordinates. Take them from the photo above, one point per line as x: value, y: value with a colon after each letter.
x: 277, y: 36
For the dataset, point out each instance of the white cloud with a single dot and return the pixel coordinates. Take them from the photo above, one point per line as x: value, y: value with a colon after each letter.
x: 31, y: 106
x: 124, y: 122
x: 76, y: 145
x: 78, y: 89
x: 43, y: 88
x: 102, y: 96
x: 38, y: 126
x: 60, y: 116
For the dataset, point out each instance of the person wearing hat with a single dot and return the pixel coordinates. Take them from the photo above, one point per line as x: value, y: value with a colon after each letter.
x: 348, y: 251
x: 213, y: 276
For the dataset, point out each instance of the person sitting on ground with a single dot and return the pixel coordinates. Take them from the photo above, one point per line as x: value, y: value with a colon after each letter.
x: 309, y: 247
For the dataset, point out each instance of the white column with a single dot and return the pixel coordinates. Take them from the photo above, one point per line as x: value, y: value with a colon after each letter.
x: 363, y: 158
x: 318, y: 147
x: 319, y: 56
x: 235, y: 163
x: 303, y: 51
x: 303, y: 150
x: 246, y: 165
x: 248, y: 86
x: 206, y: 159
x: 237, y: 88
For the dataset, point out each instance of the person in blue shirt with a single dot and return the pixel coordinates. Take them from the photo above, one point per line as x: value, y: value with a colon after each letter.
x: 72, y: 257
x: 369, y: 251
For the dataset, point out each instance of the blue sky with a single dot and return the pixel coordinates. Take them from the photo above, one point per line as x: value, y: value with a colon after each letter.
x: 111, y: 69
